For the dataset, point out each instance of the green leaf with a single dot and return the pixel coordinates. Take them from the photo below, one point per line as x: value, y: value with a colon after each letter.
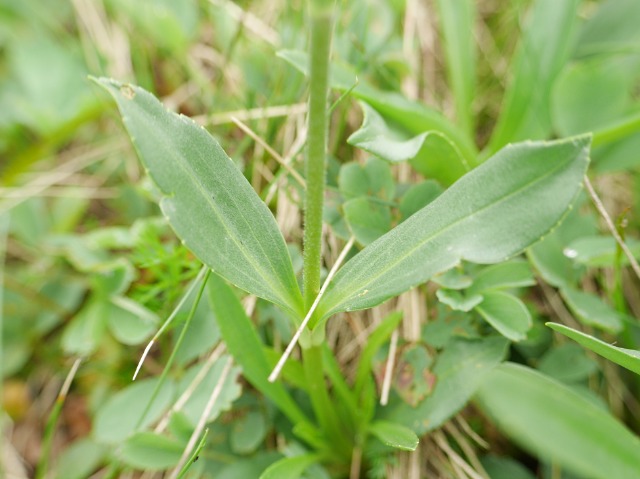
x: 418, y: 196
x: 83, y: 334
x: 567, y: 363
x: 117, y: 417
x: 457, y: 300
x: 543, y: 51
x: 431, y: 153
x: 512, y: 274
x: 599, y: 251
x: 505, y: 468
x: 459, y: 43
x: 459, y: 371
x: 129, y: 321
x: 367, y: 219
x: 199, y: 397
x: 209, y: 203
x: 465, y: 222
x: 591, y: 95
x: 373, y: 179
x: 150, y: 451
x: 80, y: 459
x: 592, y: 311
x: 453, y: 278
x: 394, y: 435
x: 551, y: 263
x: 414, y: 117
x: 612, y: 29
x: 290, y: 467
x: 248, y: 432
x: 374, y: 342
x: 506, y: 313
x: 558, y: 424
x: 244, y: 345
x: 627, y: 358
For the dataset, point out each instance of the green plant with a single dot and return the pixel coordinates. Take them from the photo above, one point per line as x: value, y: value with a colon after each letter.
x: 487, y: 235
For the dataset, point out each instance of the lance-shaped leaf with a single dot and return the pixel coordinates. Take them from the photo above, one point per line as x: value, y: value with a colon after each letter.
x: 627, y: 358
x: 489, y: 215
x: 209, y: 203
x: 558, y: 424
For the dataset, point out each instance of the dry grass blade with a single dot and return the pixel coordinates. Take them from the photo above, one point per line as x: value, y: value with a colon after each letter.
x: 612, y: 228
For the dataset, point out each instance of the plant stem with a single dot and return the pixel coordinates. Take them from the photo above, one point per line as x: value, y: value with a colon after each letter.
x: 320, y: 13
x: 322, y: 406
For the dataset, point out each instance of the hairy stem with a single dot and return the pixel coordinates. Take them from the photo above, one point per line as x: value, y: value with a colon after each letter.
x: 321, y: 29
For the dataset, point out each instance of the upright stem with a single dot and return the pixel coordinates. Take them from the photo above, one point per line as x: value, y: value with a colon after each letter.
x: 320, y: 12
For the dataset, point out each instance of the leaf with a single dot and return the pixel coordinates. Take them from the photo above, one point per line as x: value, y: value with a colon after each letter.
x: 244, y: 345
x: 627, y: 358
x: 505, y: 468
x: 506, y: 313
x: 374, y: 342
x: 453, y: 278
x: 118, y: 416
x: 199, y: 397
x: 599, y: 251
x: 394, y: 435
x: 83, y: 334
x: 431, y: 153
x: 543, y: 51
x: 414, y: 117
x: 591, y: 95
x: 80, y: 459
x: 457, y: 21
x: 208, y: 202
x: 374, y: 179
x: 459, y: 370
x: 418, y: 196
x: 290, y: 467
x: 248, y: 432
x: 457, y: 300
x: 612, y: 29
x: 465, y: 222
x: 558, y: 424
x: 150, y: 451
x: 129, y: 321
x: 591, y: 310
x: 512, y: 274
x: 367, y: 219
x: 567, y: 363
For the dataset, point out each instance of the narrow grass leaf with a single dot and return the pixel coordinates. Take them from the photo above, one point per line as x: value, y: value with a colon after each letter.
x: 374, y: 342
x: 543, y: 50
x: 627, y: 358
x: 485, y: 217
x: 506, y: 313
x: 208, y: 202
x: 558, y: 424
x: 457, y: 21
x: 394, y: 435
x: 243, y: 343
x: 290, y: 467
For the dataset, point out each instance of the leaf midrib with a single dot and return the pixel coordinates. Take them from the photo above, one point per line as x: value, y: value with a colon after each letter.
x: 186, y: 167
x: 449, y: 226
